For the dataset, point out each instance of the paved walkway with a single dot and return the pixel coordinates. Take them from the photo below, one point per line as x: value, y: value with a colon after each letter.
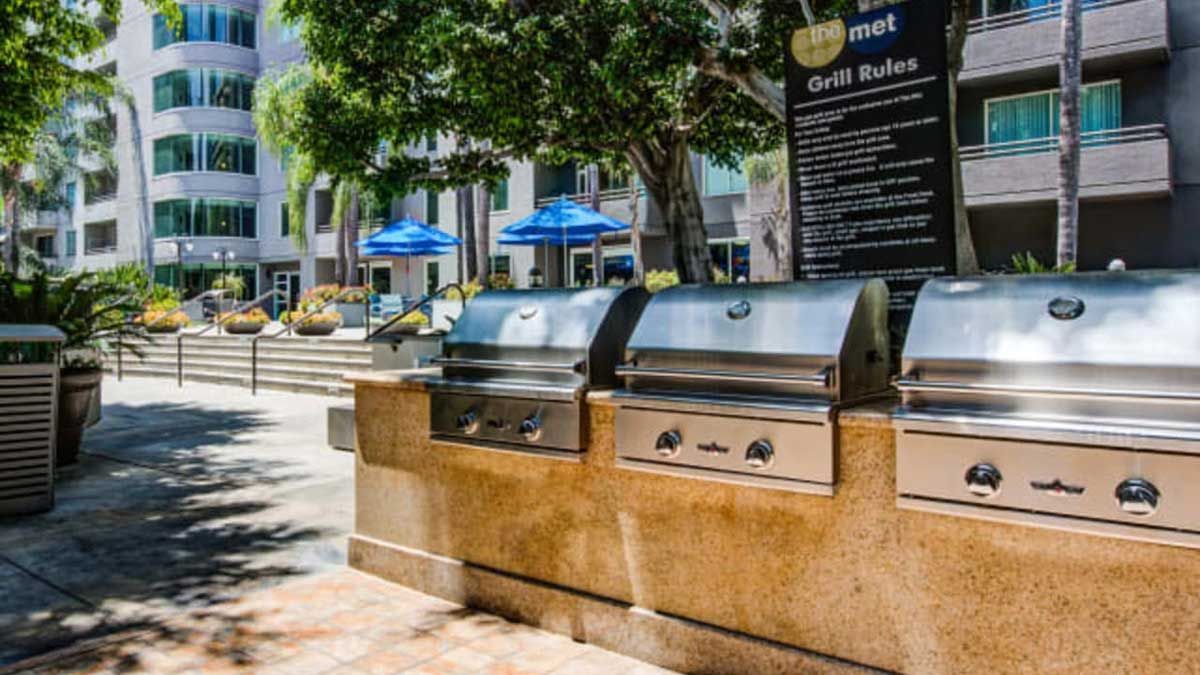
x: 340, y: 622
x: 204, y: 528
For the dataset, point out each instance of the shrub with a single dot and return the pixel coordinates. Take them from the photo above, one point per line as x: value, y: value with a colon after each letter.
x: 414, y: 319
x: 656, y: 280
x: 1025, y: 263
x: 326, y: 292
x: 470, y: 289
x: 501, y: 281
x: 253, y: 315
x: 320, y: 318
x: 163, y: 320
x: 234, y: 283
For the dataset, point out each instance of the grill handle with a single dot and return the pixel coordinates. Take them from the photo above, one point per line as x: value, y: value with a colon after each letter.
x: 530, y: 366
x: 819, y: 380
x: 906, y: 384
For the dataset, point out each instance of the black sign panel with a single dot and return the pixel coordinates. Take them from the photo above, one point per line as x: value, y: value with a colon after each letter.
x: 869, y: 149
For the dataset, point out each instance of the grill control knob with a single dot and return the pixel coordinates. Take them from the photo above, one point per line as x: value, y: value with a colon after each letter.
x: 468, y: 422
x: 531, y: 427
x: 1137, y: 497
x: 983, y: 480
x: 668, y: 443
x: 760, y: 454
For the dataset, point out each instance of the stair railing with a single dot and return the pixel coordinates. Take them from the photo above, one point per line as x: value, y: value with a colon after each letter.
x: 292, y: 322
x: 217, y: 293
x: 383, y: 329
x: 221, y: 320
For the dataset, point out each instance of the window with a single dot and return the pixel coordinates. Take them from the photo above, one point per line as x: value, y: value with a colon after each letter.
x: 1034, y: 116
x: 72, y: 244
x: 431, y: 143
x: 381, y: 280
x: 69, y: 196
x: 230, y: 154
x: 100, y: 237
x: 44, y: 245
x: 285, y: 229
x: 214, y: 152
x: 432, y: 277
x: 205, y: 218
x: 199, y: 87
x: 175, y: 153
x: 1036, y: 9
x: 731, y: 260
x: 207, y: 23
x: 99, y: 186
x: 500, y: 196
x: 501, y: 264
x: 431, y: 207
x: 720, y: 180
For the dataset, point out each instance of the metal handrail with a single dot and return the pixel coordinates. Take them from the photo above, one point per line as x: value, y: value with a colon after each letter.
x: 1119, y: 136
x: 820, y: 379
x: 295, y: 322
x: 1050, y: 10
x: 417, y: 305
x: 534, y: 366
x: 1135, y: 395
x: 221, y: 320
x: 146, y: 326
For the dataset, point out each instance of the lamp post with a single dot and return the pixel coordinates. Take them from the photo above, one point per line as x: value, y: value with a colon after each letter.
x: 181, y: 245
x: 224, y: 255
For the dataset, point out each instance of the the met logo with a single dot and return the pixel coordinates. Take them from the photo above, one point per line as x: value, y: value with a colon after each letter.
x: 868, y: 33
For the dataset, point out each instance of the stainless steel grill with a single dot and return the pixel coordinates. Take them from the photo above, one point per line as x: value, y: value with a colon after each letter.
x: 1069, y: 401
x: 741, y: 382
x: 517, y: 364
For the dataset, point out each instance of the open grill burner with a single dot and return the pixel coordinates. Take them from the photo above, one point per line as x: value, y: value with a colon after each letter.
x: 741, y: 382
x: 1070, y: 402
x: 517, y: 364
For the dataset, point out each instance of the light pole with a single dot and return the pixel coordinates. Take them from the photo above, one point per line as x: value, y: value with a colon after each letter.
x: 224, y: 255
x: 181, y: 245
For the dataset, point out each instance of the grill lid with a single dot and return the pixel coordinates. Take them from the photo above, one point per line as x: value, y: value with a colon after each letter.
x: 569, y: 337
x: 1114, y: 345
x: 824, y: 339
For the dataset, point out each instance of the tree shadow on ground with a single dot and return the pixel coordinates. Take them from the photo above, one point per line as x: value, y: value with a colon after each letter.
x: 168, y: 508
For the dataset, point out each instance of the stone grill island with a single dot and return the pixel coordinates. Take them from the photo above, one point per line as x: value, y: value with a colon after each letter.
x: 721, y: 576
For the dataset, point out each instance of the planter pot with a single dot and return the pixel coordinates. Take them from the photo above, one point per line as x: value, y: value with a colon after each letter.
x: 354, y: 315
x: 75, y: 395
x: 163, y: 330
x: 316, y: 329
x: 244, y: 327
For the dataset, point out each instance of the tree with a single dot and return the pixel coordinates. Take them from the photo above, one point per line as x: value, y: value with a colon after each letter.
x: 608, y: 80
x: 1070, y: 73
x: 964, y: 246
x: 40, y: 41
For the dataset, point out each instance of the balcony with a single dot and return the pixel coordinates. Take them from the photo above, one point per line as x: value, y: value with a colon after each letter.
x: 1023, y: 43
x: 1119, y: 163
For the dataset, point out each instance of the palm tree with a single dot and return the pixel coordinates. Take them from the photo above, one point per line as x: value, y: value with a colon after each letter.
x: 1070, y: 74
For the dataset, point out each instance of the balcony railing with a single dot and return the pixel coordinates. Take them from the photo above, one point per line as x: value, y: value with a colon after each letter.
x: 1147, y: 132
x: 100, y: 248
x: 1050, y: 10
x: 584, y: 197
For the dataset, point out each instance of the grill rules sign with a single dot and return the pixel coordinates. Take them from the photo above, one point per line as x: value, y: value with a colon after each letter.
x: 869, y: 149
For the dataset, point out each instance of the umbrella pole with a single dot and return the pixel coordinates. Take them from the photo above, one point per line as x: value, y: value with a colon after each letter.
x: 566, y: 256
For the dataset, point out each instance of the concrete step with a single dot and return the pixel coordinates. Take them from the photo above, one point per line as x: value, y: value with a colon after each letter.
x: 329, y: 373
x: 281, y: 345
x: 236, y: 379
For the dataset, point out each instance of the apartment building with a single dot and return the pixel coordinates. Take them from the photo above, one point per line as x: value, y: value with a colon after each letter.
x: 196, y: 188
x: 1140, y: 182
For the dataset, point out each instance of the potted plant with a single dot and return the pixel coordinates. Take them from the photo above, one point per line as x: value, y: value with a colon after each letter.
x: 323, y: 323
x: 249, y: 322
x: 236, y: 287
x: 92, y: 313
x: 352, y: 306
x: 164, y: 321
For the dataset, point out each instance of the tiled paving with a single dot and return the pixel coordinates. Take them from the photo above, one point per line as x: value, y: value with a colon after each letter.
x: 337, y: 622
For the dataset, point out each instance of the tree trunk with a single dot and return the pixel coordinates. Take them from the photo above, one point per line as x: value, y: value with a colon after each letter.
x: 339, y: 256
x: 967, y: 262
x: 665, y: 166
x: 465, y: 211
x: 12, y: 247
x: 483, y: 234
x: 1070, y: 74
x: 353, y: 216
x: 635, y: 233
x: 593, y: 176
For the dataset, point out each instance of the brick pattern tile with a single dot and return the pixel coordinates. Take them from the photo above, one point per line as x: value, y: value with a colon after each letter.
x: 344, y: 622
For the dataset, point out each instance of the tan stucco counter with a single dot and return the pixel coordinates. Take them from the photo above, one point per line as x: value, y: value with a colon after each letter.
x: 705, y: 576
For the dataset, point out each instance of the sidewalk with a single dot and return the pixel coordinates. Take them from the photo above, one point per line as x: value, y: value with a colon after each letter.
x: 340, y: 622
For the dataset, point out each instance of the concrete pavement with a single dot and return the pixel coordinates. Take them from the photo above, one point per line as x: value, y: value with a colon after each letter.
x: 182, y: 498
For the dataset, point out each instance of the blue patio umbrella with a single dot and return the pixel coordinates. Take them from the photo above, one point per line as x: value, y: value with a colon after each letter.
x: 563, y: 223
x: 405, y: 238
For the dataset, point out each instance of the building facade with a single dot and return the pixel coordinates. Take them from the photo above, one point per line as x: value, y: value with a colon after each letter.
x: 196, y: 190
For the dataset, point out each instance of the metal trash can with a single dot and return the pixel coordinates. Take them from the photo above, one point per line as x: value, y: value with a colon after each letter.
x: 28, y: 416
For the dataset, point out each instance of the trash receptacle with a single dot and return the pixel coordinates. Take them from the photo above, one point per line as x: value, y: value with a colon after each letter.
x: 28, y: 416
